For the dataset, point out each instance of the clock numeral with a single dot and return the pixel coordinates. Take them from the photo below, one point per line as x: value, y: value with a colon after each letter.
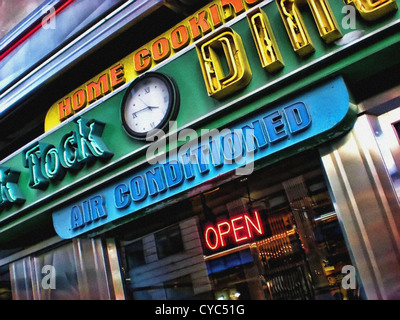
x: 147, y: 90
x: 134, y: 115
x: 152, y: 125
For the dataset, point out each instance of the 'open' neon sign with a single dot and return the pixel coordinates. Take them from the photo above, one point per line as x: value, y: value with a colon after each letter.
x: 239, y: 229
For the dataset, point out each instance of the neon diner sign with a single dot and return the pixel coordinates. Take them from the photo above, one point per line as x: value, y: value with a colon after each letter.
x: 239, y: 229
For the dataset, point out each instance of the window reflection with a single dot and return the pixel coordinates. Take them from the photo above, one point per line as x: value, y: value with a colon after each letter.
x: 168, y: 241
x: 278, y: 234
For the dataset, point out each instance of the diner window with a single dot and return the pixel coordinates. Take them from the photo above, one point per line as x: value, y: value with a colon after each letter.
x: 272, y: 235
x: 179, y: 289
x: 175, y: 267
x: 135, y: 254
x: 275, y: 235
x: 169, y: 241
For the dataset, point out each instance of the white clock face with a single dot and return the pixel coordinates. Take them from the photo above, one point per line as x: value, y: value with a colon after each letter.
x: 148, y: 105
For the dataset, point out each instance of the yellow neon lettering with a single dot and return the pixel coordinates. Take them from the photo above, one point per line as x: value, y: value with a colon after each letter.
x: 295, y: 27
x: 326, y: 23
x: 224, y: 64
x: 264, y: 39
x: 373, y: 9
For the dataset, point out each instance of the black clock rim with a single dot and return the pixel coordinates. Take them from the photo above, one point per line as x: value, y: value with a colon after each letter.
x: 173, y: 104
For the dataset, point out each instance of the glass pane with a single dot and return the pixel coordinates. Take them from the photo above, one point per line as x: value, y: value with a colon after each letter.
x: 181, y: 274
x: 272, y: 235
x: 179, y: 289
x: 134, y: 254
x: 299, y: 250
x: 60, y: 261
x: 168, y: 241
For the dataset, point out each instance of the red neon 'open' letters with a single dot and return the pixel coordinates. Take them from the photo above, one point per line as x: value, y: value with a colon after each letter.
x: 239, y: 229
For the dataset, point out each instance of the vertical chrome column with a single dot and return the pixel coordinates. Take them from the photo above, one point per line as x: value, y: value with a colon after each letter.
x: 115, y: 269
x: 368, y: 208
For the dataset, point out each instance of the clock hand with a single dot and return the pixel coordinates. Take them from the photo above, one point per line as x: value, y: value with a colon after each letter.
x: 148, y: 107
x: 137, y: 111
x: 146, y: 103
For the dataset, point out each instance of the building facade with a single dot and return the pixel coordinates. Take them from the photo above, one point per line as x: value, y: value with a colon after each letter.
x: 223, y: 150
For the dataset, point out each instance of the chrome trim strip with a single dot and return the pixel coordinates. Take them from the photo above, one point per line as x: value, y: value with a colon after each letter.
x: 115, y: 269
x: 78, y: 48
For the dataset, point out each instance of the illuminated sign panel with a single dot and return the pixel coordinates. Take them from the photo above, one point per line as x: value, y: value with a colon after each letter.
x: 300, y: 123
x: 150, y: 55
x: 220, y: 83
x: 236, y: 230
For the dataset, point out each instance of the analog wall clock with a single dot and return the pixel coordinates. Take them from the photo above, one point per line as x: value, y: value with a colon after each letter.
x: 151, y: 101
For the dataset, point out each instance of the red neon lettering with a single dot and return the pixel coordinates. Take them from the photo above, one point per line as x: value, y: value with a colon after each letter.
x: 78, y: 100
x: 221, y: 233
x: 227, y: 7
x: 117, y: 76
x: 215, y: 16
x: 207, y: 236
x: 96, y: 90
x: 257, y: 227
x: 237, y: 228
